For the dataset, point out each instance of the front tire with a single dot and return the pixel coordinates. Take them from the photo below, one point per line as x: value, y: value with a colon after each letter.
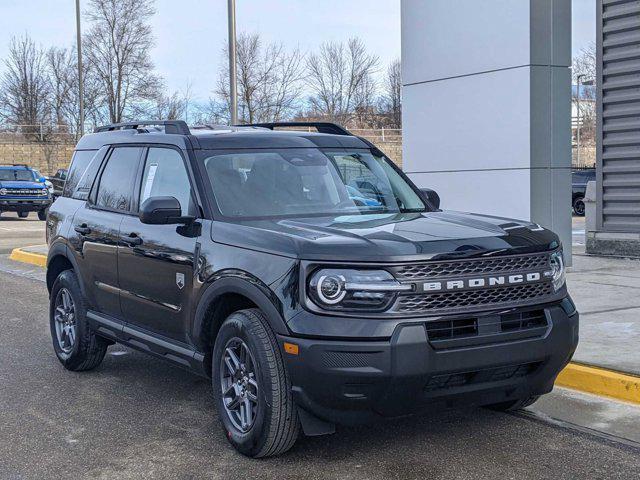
x: 23, y: 214
x: 42, y: 214
x: 77, y: 347
x: 251, y: 387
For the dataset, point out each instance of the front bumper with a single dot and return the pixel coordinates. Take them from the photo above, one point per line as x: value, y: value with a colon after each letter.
x: 24, y: 204
x: 351, y: 382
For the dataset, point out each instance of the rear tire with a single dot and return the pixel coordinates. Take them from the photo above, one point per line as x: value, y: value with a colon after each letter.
x: 274, y: 424
x: 514, y: 404
x: 23, y: 214
x: 42, y: 214
x: 77, y: 347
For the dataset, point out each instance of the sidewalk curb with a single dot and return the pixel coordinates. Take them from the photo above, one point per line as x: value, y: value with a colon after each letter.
x: 600, y: 381
x: 19, y: 255
x: 577, y: 376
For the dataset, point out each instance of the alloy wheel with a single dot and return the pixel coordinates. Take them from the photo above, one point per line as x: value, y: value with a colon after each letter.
x: 65, y: 321
x: 239, y: 385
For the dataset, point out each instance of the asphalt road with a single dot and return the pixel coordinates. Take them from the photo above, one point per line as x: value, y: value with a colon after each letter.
x: 137, y: 417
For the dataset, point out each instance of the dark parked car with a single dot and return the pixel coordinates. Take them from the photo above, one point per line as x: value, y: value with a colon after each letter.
x: 240, y: 253
x: 579, y: 179
x: 23, y: 190
x: 58, y: 182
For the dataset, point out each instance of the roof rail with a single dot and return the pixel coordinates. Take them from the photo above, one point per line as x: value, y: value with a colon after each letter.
x: 322, y: 127
x: 179, y: 127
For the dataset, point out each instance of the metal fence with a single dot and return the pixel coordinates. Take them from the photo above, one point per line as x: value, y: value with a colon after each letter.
x: 52, y: 133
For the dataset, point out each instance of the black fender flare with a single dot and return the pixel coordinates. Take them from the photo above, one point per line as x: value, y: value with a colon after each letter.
x: 60, y: 249
x: 245, y: 284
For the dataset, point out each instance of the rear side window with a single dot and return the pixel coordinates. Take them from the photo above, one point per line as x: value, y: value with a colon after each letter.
x: 79, y: 173
x: 116, y: 183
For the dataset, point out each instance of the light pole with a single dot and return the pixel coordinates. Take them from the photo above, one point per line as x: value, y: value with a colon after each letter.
x: 233, y: 81
x: 580, y: 82
x: 80, y: 83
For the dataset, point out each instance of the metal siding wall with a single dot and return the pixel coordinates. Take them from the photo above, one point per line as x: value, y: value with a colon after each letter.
x: 618, y: 104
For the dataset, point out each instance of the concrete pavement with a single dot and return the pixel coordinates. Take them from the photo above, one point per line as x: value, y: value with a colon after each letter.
x: 607, y: 294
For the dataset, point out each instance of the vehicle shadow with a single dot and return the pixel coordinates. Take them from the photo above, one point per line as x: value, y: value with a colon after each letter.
x: 429, y: 445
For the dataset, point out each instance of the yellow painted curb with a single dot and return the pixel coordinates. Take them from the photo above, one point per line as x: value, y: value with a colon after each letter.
x: 19, y: 255
x: 621, y: 386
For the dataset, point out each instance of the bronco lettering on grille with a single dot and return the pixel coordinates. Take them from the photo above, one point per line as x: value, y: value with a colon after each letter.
x: 480, y: 282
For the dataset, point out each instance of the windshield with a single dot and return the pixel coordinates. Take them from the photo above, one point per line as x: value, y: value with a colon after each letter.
x: 307, y: 181
x: 11, y: 175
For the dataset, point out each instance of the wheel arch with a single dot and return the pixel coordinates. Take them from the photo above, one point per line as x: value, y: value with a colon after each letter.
x: 228, y: 293
x: 57, y: 262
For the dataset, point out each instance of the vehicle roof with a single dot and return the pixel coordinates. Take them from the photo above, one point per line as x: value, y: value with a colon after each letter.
x: 222, y: 138
x: 15, y: 167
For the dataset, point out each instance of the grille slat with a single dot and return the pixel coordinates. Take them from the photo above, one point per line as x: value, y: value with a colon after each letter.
x: 430, y: 270
x: 472, y: 298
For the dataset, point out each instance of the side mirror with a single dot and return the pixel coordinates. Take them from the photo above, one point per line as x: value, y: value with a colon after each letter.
x: 162, y: 211
x: 431, y: 196
x: 42, y: 179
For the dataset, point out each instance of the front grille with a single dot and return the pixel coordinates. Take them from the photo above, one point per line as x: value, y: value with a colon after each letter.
x: 452, y: 380
x: 23, y: 191
x: 428, y: 302
x: 456, y: 268
x: 450, y: 329
x: 514, y: 322
x: 486, y: 329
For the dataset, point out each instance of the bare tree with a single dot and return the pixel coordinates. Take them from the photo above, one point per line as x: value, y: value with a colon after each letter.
x: 61, y: 75
x: 340, y: 78
x: 24, y: 86
x: 117, y: 47
x: 211, y: 113
x: 391, y: 100
x: 169, y: 107
x: 584, y: 65
x: 269, y: 80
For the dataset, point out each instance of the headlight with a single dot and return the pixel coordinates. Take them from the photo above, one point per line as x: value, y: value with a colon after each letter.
x: 3, y: 191
x: 557, y: 274
x: 343, y: 289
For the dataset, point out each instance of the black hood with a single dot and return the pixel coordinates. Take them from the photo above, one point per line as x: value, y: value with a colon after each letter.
x: 389, y: 237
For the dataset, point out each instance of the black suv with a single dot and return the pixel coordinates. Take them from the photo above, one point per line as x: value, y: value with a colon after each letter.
x: 304, y: 274
x: 579, y: 179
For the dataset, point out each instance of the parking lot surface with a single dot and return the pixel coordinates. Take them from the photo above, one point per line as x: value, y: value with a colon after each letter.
x: 20, y: 232
x: 137, y: 417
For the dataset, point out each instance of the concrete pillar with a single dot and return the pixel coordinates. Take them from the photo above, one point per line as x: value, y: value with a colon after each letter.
x: 486, y: 106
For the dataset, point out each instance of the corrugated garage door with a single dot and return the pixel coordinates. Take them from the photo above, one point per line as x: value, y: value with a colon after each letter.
x: 618, y: 154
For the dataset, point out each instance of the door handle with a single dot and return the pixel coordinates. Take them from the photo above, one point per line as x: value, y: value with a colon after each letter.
x: 132, y: 239
x: 82, y: 229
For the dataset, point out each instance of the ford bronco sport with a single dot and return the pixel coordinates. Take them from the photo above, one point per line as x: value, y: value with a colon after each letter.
x: 23, y: 190
x: 304, y: 274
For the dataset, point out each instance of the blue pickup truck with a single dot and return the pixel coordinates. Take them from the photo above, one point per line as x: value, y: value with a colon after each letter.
x: 22, y: 190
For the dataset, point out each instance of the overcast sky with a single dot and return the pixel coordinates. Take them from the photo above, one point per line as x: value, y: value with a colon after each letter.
x: 190, y: 33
